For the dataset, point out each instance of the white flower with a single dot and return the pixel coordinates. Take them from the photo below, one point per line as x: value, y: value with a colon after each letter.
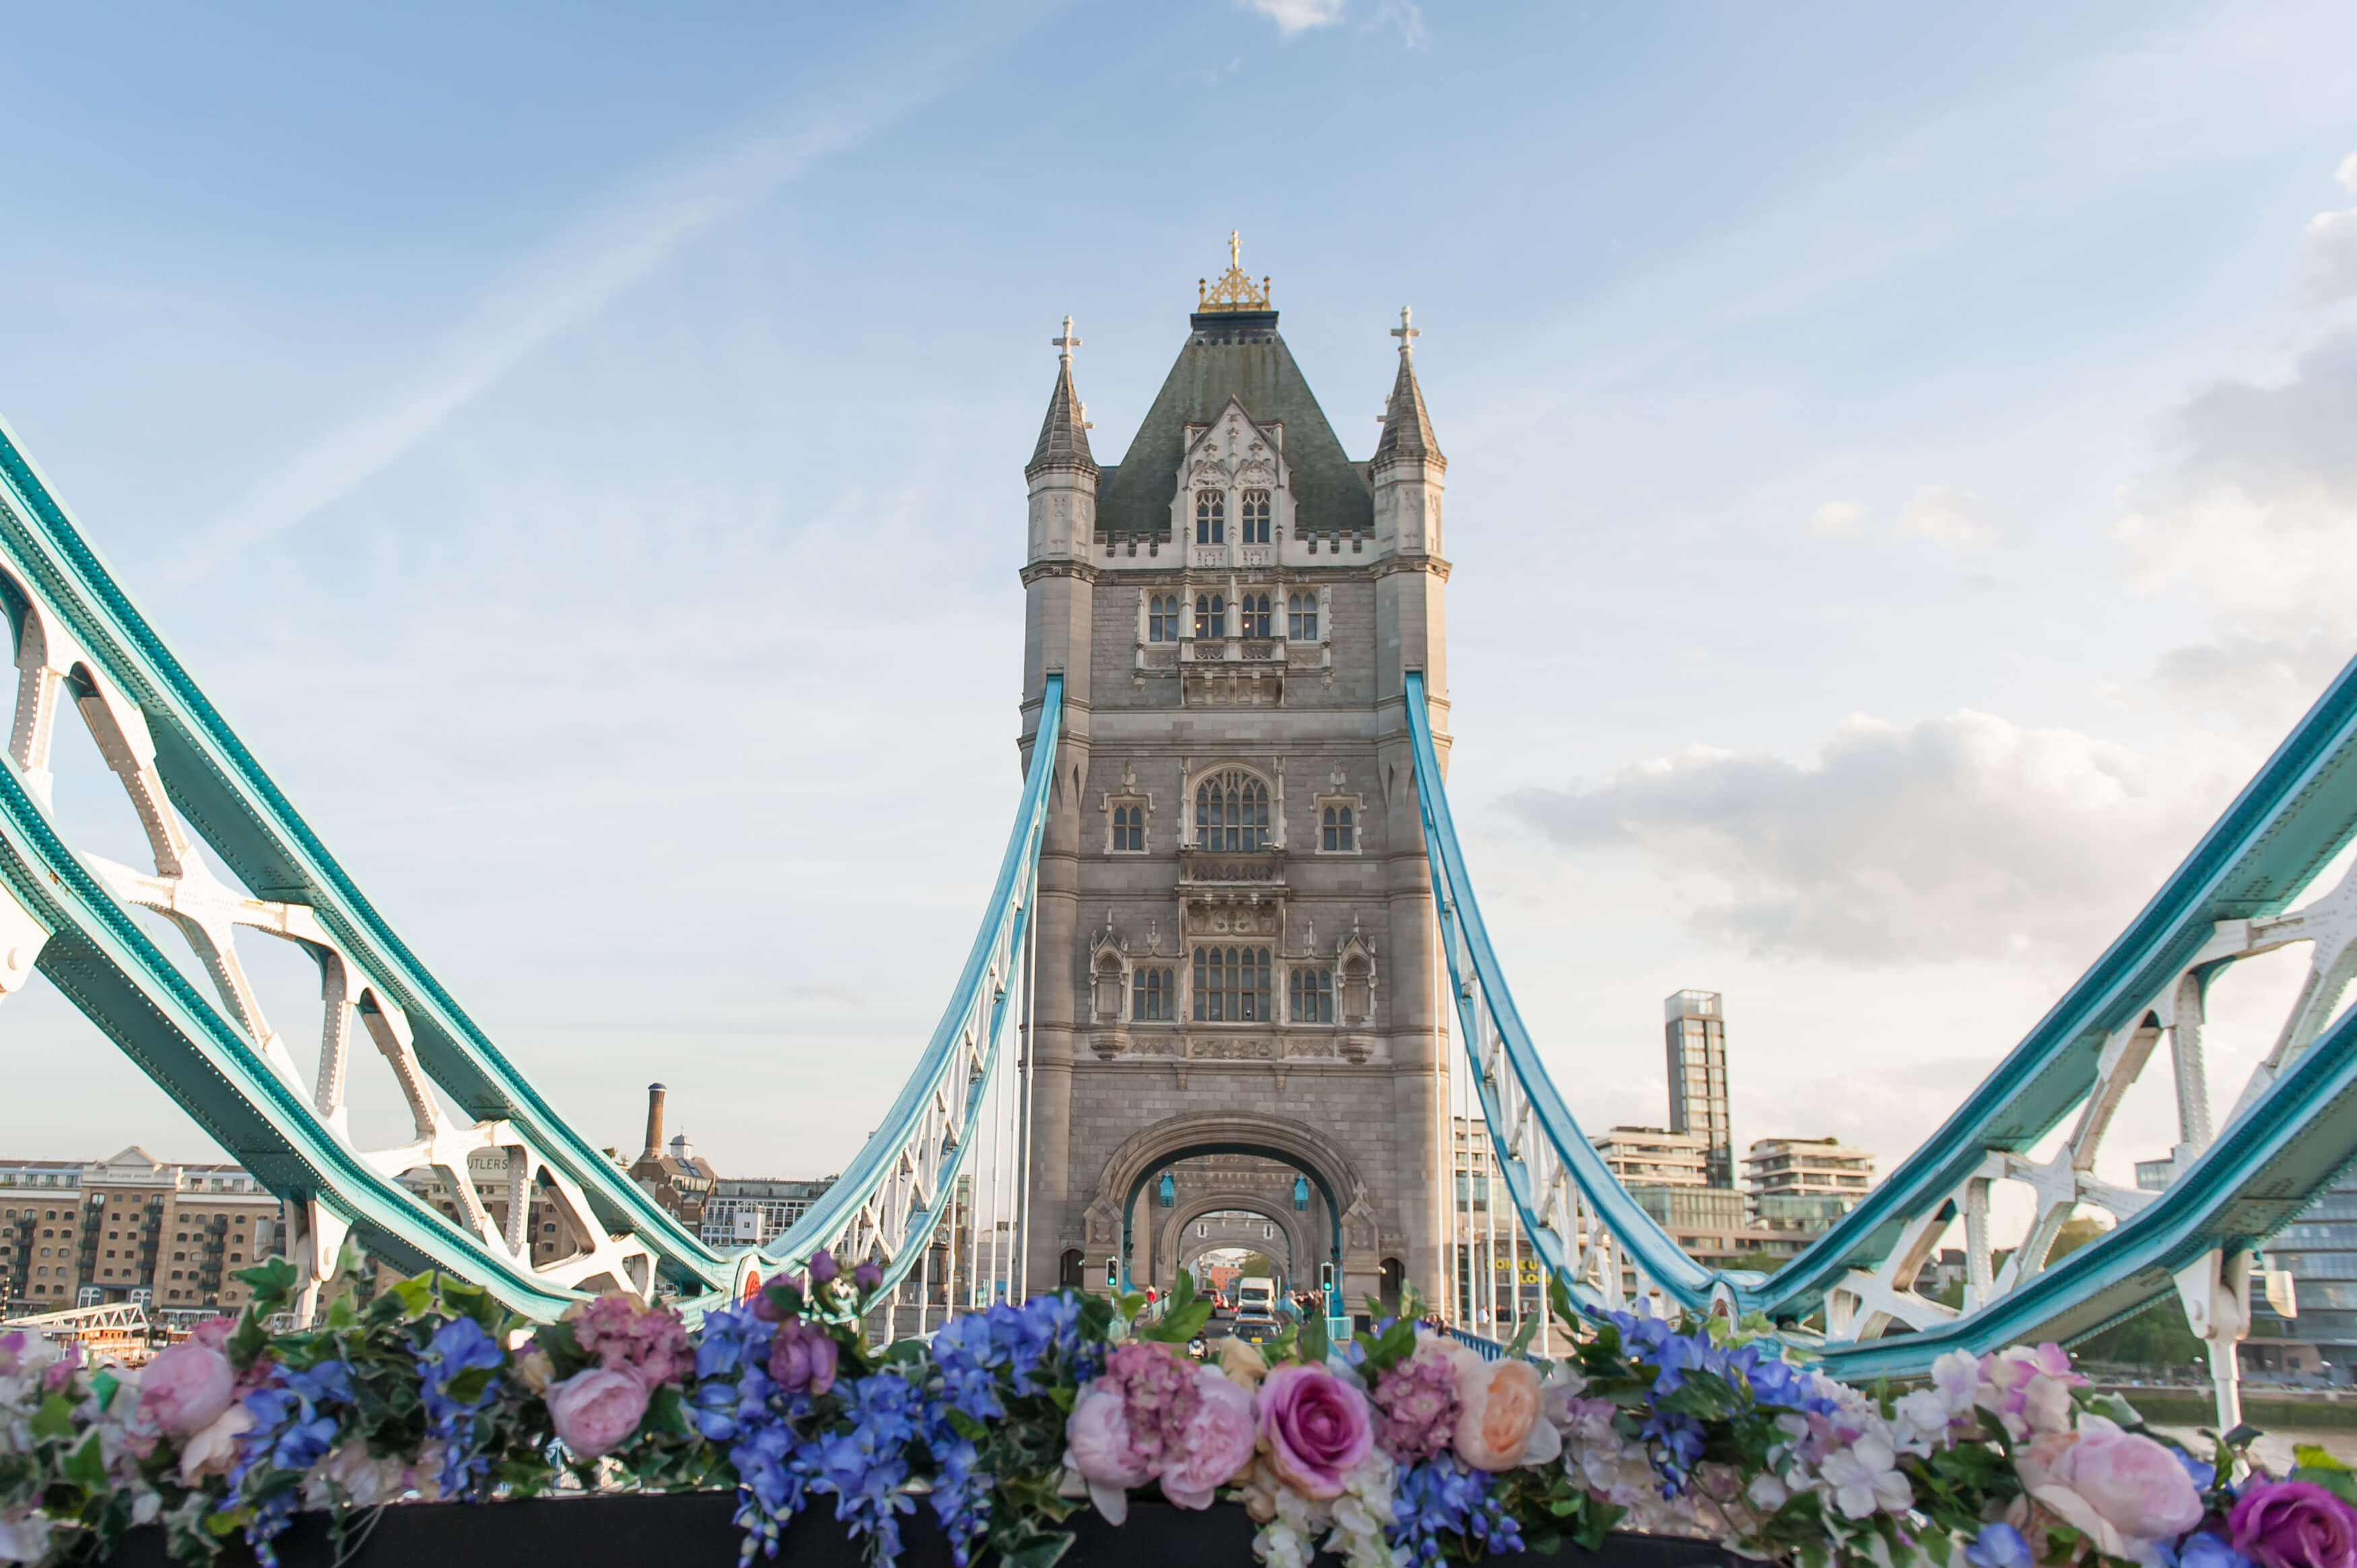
x: 1766, y: 1493
x: 24, y: 1538
x: 1920, y: 1421
x: 1862, y: 1479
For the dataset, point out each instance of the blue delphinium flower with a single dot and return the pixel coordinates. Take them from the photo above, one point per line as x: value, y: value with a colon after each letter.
x: 1998, y: 1545
x: 2208, y: 1551
x: 1440, y: 1499
x: 294, y: 1426
x: 865, y: 1467
x: 2204, y: 1474
x: 458, y: 1347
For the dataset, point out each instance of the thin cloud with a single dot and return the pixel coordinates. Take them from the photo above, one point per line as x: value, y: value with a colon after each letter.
x: 1949, y: 519
x: 575, y: 277
x: 1293, y: 17
x: 2328, y: 248
x: 1836, y: 520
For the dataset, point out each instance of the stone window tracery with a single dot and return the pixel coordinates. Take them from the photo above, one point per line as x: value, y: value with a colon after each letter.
x: 1129, y: 829
x: 1232, y: 811
x: 1210, y: 615
x: 1210, y: 517
x: 1153, y: 995
x: 1301, y: 616
x: 1162, y: 613
x: 1310, y: 994
x: 1255, y: 517
x: 1253, y: 615
x: 1231, y: 985
x: 1339, y: 834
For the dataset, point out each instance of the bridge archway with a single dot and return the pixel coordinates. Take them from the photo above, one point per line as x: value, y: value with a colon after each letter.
x: 1297, y: 1246
x: 1336, y: 1185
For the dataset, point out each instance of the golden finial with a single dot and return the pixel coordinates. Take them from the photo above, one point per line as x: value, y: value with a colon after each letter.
x: 1234, y: 291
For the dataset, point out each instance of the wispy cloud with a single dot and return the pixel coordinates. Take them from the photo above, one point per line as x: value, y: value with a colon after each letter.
x: 636, y: 233
x: 1293, y: 17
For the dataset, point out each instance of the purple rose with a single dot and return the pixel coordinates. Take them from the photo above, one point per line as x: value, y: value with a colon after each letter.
x: 594, y: 1410
x: 1317, y: 1428
x: 823, y: 1268
x: 802, y: 1358
x: 186, y: 1388
x: 2293, y: 1524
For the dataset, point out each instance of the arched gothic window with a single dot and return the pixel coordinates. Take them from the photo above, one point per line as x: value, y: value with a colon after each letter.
x: 1153, y: 995
x: 1231, y: 985
x: 1232, y: 813
x: 1301, y: 616
x: 1311, y: 993
x: 1253, y: 611
x: 1070, y: 1267
x: 1341, y: 835
x: 1162, y: 613
x: 1255, y: 517
x: 1210, y: 517
x: 1210, y: 615
x: 1129, y: 829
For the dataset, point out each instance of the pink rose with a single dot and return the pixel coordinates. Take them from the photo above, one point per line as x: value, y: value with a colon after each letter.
x: 802, y: 1358
x: 186, y: 1388
x: 1216, y: 1441
x: 2119, y: 1488
x: 648, y: 1341
x: 1497, y: 1403
x: 1317, y: 1427
x: 1098, y: 1445
x: 594, y: 1410
x: 2293, y: 1524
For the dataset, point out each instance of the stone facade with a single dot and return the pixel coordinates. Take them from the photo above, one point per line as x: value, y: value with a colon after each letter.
x: 131, y: 1228
x: 1237, y: 952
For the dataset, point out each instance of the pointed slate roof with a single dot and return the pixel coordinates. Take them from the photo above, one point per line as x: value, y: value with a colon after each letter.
x: 1407, y: 429
x: 1237, y: 354
x: 1064, y: 434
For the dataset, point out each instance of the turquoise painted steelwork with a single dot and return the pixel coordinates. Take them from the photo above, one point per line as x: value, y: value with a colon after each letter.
x: 2286, y: 1142
x: 892, y: 1194
x: 58, y: 587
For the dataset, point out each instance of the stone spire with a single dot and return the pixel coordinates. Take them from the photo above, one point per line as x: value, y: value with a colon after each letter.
x: 1407, y: 429
x: 1064, y: 434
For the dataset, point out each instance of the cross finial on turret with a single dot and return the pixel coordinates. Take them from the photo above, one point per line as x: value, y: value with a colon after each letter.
x: 1236, y: 248
x: 1405, y: 333
x: 1067, y: 343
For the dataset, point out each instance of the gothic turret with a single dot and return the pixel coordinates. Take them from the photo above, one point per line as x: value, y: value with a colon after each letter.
x: 1062, y: 472
x: 1408, y: 465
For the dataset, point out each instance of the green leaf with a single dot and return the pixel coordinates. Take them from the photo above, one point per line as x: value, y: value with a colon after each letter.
x: 2338, y: 1480
x: 415, y: 1295
x: 54, y: 1418
x: 2311, y: 1457
x: 273, y: 1283
x: 1529, y: 1331
x: 86, y: 1466
x: 967, y: 1427
x: 1041, y: 1551
x: 1314, y: 1345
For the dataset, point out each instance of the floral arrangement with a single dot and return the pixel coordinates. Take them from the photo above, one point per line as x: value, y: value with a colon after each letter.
x: 1398, y: 1449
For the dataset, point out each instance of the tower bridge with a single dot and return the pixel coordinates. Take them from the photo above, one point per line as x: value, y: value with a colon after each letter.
x: 1232, y: 941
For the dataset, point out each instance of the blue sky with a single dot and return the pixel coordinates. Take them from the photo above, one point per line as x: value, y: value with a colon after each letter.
x: 1899, y: 483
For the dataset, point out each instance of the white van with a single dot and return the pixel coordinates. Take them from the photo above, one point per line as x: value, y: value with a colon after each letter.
x: 1256, y: 1298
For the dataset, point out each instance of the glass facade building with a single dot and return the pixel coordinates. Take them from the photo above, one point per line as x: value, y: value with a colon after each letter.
x: 1695, y: 1027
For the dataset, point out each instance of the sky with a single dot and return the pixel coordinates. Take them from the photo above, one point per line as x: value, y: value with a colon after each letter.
x: 1900, y: 487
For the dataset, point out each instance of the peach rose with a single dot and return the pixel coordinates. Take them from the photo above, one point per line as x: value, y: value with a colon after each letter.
x: 1498, y: 1405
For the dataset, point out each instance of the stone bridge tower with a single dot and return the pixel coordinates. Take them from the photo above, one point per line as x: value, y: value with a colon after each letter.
x: 1237, y: 953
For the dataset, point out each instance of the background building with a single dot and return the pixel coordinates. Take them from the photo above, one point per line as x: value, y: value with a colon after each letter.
x: 1695, y: 1027
x: 753, y: 1211
x: 672, y: 1175
x: 1798, y: 1187
x: 131, y: 1228
x: 2319, y: 1250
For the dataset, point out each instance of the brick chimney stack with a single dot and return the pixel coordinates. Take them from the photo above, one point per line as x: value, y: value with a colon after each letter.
x: 654, y: 1122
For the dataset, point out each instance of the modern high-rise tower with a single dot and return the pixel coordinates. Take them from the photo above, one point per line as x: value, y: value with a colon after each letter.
x: 1695, y: 1027
x: 1236, y: 951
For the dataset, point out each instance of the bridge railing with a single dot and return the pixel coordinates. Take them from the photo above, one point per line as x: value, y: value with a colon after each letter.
x: 897, y: 1194
x: 2291, y: 1131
